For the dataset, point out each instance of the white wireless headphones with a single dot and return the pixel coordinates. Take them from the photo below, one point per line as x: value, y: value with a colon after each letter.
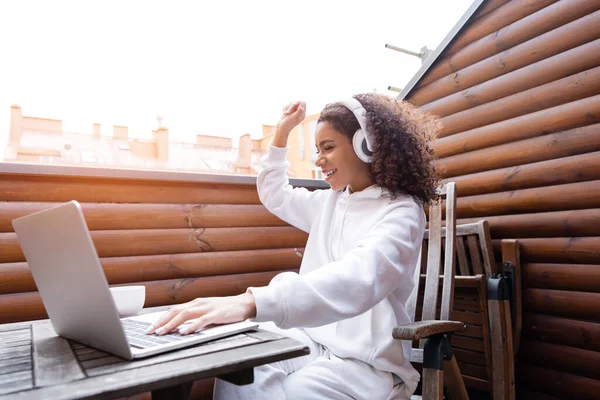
x: 361, y: 141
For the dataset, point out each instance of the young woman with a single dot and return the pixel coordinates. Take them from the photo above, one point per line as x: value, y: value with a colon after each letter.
x: 365, y: 235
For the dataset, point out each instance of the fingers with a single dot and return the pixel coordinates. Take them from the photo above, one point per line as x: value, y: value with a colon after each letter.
x: 170, y: 314
x: 198, y: 323
x: 293, y: 108
x: 166, y: 317
x: 290, y: 108
x: 184, y: 315
x: 200, y: 313
x: 300, y: 112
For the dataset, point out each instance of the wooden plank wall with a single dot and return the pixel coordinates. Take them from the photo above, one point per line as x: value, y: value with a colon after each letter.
x: 518, y: 94
x: 180, y: 239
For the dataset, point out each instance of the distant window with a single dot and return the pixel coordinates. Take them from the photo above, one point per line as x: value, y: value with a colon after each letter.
x: 301, y: 138
x: 88, y: 156
x: 317, y: 174
x: 313, y: 148
x: 50, y: 159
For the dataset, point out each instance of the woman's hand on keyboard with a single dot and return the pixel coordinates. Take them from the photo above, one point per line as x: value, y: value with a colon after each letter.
x: 202, y: 312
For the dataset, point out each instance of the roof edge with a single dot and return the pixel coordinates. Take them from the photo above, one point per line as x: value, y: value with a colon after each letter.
x: 441, y: 47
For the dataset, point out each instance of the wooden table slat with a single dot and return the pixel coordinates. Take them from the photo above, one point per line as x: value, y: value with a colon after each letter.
x: 16, y: 385
x: 15, y: 326
x: 54, y: 361
x: 8, y: 343
x: 92, y: 355
x: 210, y: 347
x: 264, y: 336
x: 83, y: 350
x: 21, y: 334
x: 24, y: 365
x: 6, y: 350
x: 14, y: 360
x: 14, y: 376
x: 102, y: 361
x: 12, y: 352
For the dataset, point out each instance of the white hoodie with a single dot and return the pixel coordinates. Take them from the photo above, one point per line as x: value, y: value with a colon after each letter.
x: 357, y: 269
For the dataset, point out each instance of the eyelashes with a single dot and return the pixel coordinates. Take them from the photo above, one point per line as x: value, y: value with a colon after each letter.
x: 325, y: 149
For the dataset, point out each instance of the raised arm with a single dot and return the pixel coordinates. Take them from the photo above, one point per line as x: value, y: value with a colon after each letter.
x: 296, y: 206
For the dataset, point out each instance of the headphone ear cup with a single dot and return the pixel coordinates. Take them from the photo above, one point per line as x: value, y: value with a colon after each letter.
x: 359, y: 142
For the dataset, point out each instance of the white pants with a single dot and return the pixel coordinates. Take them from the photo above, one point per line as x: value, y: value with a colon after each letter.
x: 319, y: 375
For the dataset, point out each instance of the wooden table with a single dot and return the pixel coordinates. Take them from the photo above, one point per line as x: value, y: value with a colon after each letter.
x: 35, y: 363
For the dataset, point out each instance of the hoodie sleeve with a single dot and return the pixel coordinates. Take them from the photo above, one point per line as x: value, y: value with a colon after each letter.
x: 343, y: 289
x: 296, y: 206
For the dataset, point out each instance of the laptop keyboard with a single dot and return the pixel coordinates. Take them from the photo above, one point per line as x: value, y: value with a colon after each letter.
x: 136, y: 336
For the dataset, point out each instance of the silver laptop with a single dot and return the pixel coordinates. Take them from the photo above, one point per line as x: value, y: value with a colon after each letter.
x: 68, y: 274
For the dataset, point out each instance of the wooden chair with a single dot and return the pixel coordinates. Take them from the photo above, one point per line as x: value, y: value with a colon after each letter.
x: 489, y: 303
x: 477, y: 239
x: 434, y: 351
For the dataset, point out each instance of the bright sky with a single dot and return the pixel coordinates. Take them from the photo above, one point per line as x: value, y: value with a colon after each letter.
x: 210, y: 67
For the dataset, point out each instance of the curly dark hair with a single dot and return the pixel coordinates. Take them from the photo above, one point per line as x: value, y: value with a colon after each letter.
x: 403, y: 160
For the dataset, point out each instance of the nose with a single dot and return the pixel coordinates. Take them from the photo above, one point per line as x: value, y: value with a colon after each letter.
x: 320, y: 161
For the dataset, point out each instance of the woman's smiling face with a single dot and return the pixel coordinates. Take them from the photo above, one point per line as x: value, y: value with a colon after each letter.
x: 336, y: 157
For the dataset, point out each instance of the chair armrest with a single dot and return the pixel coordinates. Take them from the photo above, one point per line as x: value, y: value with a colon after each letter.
x: 423, y: 329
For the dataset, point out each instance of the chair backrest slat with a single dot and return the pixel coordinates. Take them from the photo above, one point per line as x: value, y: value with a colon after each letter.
x: 475, y: 254
x: 449, y: 248
x: 434, y: 258
x: 463, y: 264
x: 433, y: 263
x: 486, y: 247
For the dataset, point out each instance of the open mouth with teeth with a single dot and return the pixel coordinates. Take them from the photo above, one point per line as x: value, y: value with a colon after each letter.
x: 329, y: 173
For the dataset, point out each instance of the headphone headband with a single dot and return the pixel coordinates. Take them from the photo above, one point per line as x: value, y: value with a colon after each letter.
x: 362, y: 139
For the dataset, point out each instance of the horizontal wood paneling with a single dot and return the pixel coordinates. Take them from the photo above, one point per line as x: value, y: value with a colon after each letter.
x: 488, y: 7
x: 561, y: 358
x: 565, y: 331
x: 14, y: 187
x: 569, y: 89
x: 521, y: 30
x: 173, y: 241
x: 573, y: 277
x: 565, y: 385
x: 585, y: 139
x: 569, y: 223
x: 567, y: 63
x: 572, y: 250
x: 578, y: 168
x: 16, y: 277
x: 113, y: 216
x: 530, y: 394
x: 570, y: 196
x: 28, y: 306
x: 582, y: 305
x: 489, y: 22
x: 566, y: 116
x: 551, y: 43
